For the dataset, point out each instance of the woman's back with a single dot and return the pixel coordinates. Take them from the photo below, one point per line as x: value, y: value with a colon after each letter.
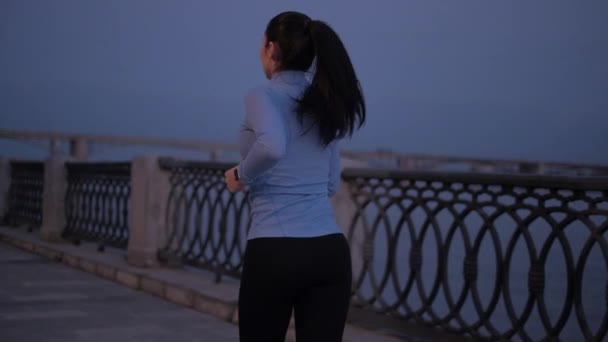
x: 290, y: 199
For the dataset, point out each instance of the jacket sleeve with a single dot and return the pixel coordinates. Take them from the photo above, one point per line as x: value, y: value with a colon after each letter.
x: 268, y: 125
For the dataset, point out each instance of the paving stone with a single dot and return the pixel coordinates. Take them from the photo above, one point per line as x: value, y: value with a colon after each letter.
x: 87, y: 266
x: 153, y: 286
x: 70, y: 260
x: 214, y: 307
x: 129, y: 279
x: 180, y: 295
x: 105, y: 271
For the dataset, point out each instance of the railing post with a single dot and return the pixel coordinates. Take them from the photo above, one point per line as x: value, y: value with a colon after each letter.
x: 147, y: 207
x: 215, y: 155
x: 79, y: 149
x: 53, y: 148
x: 530, y: 167
x: 53, y: 199
x: 5, y: 183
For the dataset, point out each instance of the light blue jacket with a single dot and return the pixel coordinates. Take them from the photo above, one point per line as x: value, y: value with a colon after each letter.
x: 290, y: 174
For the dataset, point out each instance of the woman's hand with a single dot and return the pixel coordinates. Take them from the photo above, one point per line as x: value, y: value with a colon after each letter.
x: 232, y: 183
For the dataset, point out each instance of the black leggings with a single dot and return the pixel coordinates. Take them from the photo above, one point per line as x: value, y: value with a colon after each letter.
x: 311, y: 276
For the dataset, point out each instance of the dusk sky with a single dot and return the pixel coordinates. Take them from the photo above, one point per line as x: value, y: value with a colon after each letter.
x: 498, y: 79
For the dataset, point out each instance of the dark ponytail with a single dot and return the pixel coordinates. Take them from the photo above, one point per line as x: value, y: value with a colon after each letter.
x: 334, y: 100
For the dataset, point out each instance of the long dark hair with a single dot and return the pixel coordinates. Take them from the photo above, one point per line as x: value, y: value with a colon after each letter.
x: 334, y: 100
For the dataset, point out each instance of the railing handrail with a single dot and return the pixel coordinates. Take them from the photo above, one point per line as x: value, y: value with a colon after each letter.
x: 390, y: 154
x: 102, y: 164
x: 117, y: 139
x: 216, y: 146
x: 535, y: 180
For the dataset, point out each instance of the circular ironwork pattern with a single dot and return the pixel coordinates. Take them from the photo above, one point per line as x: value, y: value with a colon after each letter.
x: 427, y: 214
x: 207, y: 224
x: 97, y: 202
x: 25, y: 195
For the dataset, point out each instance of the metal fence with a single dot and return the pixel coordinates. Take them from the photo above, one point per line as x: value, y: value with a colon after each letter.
x: 489, y: 256
x: 493, y: 257
x: 25, y: 195
x: 207, y: 224
x: 97, y: 202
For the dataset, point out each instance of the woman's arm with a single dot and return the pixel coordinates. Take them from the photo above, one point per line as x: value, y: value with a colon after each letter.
x: 270, y: 143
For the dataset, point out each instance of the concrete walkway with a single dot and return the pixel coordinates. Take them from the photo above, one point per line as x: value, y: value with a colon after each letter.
x: 193, y: 290
x: 45, y: 301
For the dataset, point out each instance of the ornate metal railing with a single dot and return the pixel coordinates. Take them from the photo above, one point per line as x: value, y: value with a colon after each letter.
x: 25, y: 194
x: 96, y: 203
x: 207, y: 224
x: 489, y: 256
